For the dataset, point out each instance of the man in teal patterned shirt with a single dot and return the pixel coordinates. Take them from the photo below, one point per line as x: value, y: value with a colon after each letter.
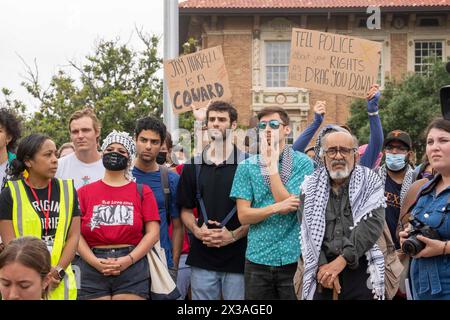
x: 266, y: 189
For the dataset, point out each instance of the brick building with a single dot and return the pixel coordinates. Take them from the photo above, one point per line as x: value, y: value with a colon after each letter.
x: 255, y: 38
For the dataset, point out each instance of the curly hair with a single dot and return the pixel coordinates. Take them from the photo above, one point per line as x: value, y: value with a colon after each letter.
x: 11, y: 123
x: 153, y: 124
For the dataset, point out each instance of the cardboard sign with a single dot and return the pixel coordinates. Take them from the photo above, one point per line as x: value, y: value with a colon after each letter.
x: 197, y: 79
x: 333, y: 63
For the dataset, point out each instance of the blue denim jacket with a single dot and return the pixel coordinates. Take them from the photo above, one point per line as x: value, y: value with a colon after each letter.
x: 431, y: 276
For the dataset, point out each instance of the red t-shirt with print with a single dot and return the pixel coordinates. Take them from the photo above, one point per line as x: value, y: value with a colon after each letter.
x: 115, y: 215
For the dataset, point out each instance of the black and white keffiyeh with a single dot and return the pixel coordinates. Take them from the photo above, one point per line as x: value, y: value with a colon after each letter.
x: 407, y: 180
x: 122, y: 138
x: 366, y: 193
x: 286, y: 166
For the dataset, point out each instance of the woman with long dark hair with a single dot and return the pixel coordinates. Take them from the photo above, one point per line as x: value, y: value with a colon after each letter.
x: 44, y: 207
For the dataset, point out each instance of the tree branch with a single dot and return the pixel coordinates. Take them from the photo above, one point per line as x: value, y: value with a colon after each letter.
x: 33, y: 79
x: 91, y: 85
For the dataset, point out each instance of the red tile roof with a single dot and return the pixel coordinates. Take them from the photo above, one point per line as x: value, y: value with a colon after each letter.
x: 304, y: 4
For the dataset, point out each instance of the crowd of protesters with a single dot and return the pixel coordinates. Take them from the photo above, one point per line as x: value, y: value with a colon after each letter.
x: 322, y: 220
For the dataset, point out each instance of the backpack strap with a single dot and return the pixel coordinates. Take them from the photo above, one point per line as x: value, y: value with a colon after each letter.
x: 166, y: 190
x: 411, y: 199
x: 416, y: 173
x: 140, y: 188
x: 197, y: 169
x: 229, y: 216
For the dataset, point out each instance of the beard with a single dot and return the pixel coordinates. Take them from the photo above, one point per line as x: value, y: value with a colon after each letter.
x: 341, y: 173
x: 219, y: 135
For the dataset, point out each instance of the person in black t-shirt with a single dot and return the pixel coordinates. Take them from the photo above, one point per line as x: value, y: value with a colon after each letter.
x: 217, y: 254
x: 397, y: 175
x: 52, y: 206
x: 37, y: 155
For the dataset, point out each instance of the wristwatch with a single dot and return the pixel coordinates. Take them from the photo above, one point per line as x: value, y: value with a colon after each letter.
x: 61, y: 272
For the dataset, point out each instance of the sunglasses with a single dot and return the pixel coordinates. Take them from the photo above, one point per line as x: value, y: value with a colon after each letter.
x: 274, y: 124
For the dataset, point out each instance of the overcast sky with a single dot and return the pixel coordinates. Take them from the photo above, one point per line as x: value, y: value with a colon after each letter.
x: 55, y: 31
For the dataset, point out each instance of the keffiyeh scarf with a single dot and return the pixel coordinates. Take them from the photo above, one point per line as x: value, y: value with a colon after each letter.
x: 366, y: 193
x: 286, y: 166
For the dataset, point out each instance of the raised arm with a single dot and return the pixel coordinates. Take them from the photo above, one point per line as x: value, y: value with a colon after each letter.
x: 303, y: 140
x: 374, y: 147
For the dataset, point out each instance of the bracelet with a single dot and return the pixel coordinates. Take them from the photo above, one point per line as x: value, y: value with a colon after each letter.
x: 232, y: 235
x: 445, y: 248
x: 372, y: 113
x: 132, y: 259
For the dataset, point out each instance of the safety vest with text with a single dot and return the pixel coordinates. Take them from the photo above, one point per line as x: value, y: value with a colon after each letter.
x: 26, y: 222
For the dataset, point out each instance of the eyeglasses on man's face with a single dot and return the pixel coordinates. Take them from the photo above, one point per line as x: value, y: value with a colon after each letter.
x: 333, y: 151
x: 274, y: 124
x: 399, y: 148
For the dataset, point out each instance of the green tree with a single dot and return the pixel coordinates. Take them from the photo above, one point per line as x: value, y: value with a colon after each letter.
x: 119, y: 83
x: 409, y: 105
x: 186, y: 119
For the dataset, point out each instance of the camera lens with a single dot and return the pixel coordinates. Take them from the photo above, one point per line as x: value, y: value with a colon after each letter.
x: 412, y: 246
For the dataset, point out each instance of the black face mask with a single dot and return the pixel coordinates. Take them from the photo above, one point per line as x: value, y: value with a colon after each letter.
x: 114, y: 161
x: 161, y: 158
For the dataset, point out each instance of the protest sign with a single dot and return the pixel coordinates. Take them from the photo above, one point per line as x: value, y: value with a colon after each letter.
x: 197, y: 79
x: 333, y: 63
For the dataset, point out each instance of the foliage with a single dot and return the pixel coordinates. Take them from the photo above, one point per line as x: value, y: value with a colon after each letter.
x: 409, y: 106
x: 119, y: 83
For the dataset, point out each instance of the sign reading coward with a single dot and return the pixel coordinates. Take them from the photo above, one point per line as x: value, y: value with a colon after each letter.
x: 196, y: 79
x: 333, y: 63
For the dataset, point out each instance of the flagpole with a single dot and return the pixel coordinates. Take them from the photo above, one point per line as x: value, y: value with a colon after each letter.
x: 170, y: 51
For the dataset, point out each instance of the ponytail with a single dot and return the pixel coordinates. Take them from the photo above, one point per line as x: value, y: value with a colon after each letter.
x: 16, y: 169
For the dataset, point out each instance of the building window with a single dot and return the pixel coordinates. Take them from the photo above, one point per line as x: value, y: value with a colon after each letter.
x: 429, y: 22
x: 426, y: 54
x: 277, y: 62
x: 362, y: 22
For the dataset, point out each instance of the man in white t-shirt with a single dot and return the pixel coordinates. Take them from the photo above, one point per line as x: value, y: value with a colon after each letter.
x: 85, y: 164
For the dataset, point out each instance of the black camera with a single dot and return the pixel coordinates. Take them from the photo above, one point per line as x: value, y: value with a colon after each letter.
x: 412, y: 245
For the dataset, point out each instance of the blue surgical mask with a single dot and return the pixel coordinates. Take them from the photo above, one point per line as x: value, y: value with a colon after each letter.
x: 395, y: 162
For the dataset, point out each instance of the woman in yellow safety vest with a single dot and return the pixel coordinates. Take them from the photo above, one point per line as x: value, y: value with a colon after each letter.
x: 44, y: 207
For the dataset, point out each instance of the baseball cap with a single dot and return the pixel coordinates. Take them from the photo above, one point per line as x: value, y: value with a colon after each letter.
x: 398, y: 135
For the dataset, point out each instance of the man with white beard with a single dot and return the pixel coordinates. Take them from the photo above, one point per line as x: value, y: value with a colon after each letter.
x: 342, y: 216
